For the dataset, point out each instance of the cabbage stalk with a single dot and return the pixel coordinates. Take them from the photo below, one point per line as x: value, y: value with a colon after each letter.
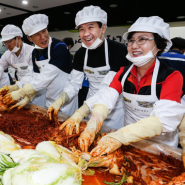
x: 40, y: 173
x: 7, y: 144
x: 49, y: 164
x: 5, y: 163
x: 39, y: 169
x: 58, y: 152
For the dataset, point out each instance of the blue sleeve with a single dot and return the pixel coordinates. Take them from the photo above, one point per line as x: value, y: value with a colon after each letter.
x: 59, y: 56
x: 85, y: 81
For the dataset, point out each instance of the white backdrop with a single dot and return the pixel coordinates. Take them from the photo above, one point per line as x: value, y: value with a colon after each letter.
x: 177, y: 32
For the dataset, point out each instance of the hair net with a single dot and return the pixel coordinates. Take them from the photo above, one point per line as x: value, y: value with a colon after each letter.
x: 90, y: 14
x: 34, y: 24
x: 10, y: 31
x: 153, y: 24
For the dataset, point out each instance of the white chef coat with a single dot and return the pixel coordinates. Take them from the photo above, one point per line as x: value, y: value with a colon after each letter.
x: 25, y: 55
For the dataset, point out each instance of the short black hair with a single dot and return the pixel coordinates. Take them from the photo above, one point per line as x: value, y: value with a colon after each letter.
x: 99, y: 24
x: 68, y: 41
x: 178, y: 43
x: 17, y: 36
x: 161, y: 43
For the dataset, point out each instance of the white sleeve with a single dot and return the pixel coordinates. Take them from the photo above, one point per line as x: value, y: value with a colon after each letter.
x: 107, y: 79
x: 74, y: 83
x: 45, y: 77
x: 105, y: 93
x: 1, y: 72
x: 170, y: 114
x: 3, y: 64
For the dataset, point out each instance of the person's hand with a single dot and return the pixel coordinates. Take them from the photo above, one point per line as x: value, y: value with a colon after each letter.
x: 86, y: 139
x: 75, y: 120
x: 55, y: 107
x: 70, y: 124
x: 181, y: 128
x: 94, y: 125
x: 13, y: 96
x: 23, y: 102
x: 106, y: 145
x: 2, y: 106
x: 128, y: 134
x: 183, y: 158
x: 6, y: 89
x: 17, y: 95
x: 53, y: 110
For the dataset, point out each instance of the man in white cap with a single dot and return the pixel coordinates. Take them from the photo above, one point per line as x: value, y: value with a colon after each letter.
x: 95, y: 58
x: 18, y: 55
x: 51, y: 64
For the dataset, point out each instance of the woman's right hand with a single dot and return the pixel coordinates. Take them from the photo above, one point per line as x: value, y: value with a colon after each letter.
x: 106, y: 145
x: 86, y: 139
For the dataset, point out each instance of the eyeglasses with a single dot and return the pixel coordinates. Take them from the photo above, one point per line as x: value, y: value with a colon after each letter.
x: 139, y: 41
x: 8, y: 43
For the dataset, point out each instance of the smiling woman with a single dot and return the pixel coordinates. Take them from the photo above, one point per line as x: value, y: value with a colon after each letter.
x: 150, y: 89
x: 159, y: 41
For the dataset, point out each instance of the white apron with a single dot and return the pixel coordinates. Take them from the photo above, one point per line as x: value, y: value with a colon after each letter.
x: 115, y: 119
x: 183, y: 100
x: 54, y: 89
x: 25, y: 72
x: 140, y: 106
x: 4, y: 81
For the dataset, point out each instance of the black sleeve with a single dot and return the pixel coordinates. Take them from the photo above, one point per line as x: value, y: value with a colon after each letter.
x: 59, y: 56
x: 117, y: 57
x: 78, y: 63
x: 35, y: 67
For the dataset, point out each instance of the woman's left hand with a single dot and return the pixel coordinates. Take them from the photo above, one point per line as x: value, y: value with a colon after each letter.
x: 106, y: 145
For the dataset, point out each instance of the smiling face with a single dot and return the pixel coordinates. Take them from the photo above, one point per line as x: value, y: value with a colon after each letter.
x: 90, y: 31
x: 40, y: 38
x: 136, y: 50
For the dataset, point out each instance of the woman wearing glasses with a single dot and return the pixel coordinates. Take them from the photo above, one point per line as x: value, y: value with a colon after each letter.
x: 151, y: 93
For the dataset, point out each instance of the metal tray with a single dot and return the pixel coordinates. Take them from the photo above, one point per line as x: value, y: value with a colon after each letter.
x: 157, y: 148
x: 146, y: 145
x: 35, y: 108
